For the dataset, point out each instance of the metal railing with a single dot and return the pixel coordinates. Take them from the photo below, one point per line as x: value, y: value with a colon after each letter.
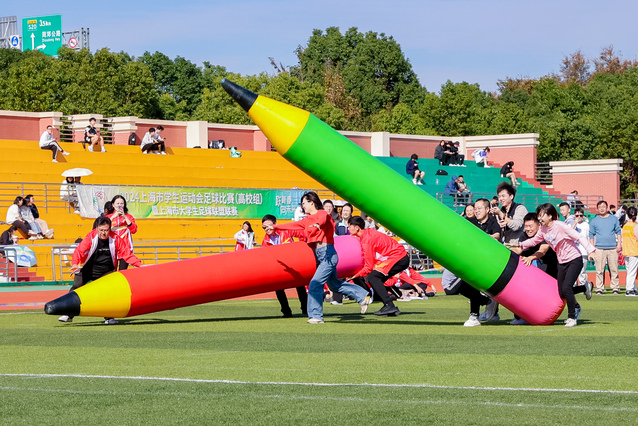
x: 543, y: 175
x: 458, y: 202
x: 149, y: 254
x: 9, y: 253
x: 628, y: 202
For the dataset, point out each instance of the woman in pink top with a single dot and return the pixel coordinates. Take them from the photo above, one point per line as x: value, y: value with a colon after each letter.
x: 562, y: 238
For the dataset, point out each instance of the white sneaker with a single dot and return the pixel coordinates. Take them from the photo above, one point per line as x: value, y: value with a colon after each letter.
x: 40, y: 237
x: 110, y: 321
x: 54, y: 161
x: 90, y: 148
x: 65, y: 318
x: 103, y: 150
x: 315, y: 321
x: 163, y: 153
x: 66, y: 153
x: 144, y: 152
x: 419, y: 183
x: 49, y: 233
x: 490, y: 311
x: 414, y: 181
x: 570, y: 322
x: 33, y: 237
x: 364, y: 304
x: 518, y: 321
x: 473, y: 321
x: 334, y: 302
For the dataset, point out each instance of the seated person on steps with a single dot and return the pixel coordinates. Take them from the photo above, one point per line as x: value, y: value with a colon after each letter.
x: 92, y: 137
x: 412, y: 169
x: 47, y: 141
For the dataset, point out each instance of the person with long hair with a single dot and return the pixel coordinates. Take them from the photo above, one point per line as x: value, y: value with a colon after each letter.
x: 319, y: 229
x: 562, y: 239
x: 245, y: 237
x: 630, y: 250
x: 15, y: 218
x: 123, y: 224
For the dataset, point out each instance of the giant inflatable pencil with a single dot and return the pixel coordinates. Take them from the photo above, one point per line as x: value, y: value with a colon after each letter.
x: 402, y: 207
x: 206, y: 279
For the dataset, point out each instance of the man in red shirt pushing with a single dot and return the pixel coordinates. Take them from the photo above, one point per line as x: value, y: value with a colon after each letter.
x: 383, y: 258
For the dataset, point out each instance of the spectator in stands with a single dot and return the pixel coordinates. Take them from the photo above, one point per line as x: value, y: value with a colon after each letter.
x: 148, y: 142
x: 123, y: 225
x: 9, y: 237
x: 319, y: 230
x: 14, y: 218
x: 47, y: 141
x: 383, y: 257
x: 370, y: 223
x: 468, y: 212
x: 630, y: 250
x: 442, y: 154
x: 463, y: 196
x: 562, y: 239
x: 69, y: 194
x: 565, y: 211
x: 605, y: 235
x: 412, y: 169
x: 452, y: 188
x: 275, y: 238
x: 573, y: 201
x: 582, y: 227
x: 97, y: 256
x: 159, y: 140
x: 27, y: 215
x: 245, y: 237
x: 480, y: 156
x: 93, y: 137
x: 459, y: 158
x: 44, y: 226
x: 507, y: 171
x: 341, y: 228
x: 329, y: 207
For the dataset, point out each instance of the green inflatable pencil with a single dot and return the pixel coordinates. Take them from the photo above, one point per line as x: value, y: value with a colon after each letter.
x: 402, y: 207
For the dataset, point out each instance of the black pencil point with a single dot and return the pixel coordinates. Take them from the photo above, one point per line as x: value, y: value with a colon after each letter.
x: 69, y: 304
x: 244, y: 97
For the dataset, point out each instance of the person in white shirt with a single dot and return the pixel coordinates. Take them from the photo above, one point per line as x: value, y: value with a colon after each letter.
x: 14, y: 218
x: 159, y: 140
x: 47, y: 141
x: 582, y: 227
x: 149, y: 142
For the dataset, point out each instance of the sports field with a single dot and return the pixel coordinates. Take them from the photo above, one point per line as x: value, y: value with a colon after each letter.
x: 237, y: 362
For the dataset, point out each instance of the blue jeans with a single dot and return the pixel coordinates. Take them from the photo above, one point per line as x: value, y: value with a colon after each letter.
x: 327, y: 259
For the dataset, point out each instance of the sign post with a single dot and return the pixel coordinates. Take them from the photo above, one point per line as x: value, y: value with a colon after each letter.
x: 43, y: 33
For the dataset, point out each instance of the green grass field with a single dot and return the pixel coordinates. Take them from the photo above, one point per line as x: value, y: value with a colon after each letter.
x: 237, y: 362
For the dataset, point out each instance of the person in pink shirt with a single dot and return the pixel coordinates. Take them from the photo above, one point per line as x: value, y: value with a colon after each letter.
x: 562, y: 239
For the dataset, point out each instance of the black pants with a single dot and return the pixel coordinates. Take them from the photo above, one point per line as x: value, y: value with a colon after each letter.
x: 54, y: 147
x: 85, y: 276
x: 376, y: 279
x: 155, y: 146
x: 22, y: 226
x: 285, y: 306
x: 567, y: 275
x: 476, y: 298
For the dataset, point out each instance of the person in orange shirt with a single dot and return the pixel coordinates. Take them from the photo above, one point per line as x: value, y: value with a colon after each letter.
x: 383, y: 257
x: 630, y: 251
x: 275, y: 238
x: 319, y: 230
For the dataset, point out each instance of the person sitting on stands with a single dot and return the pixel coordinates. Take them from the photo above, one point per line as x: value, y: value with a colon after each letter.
x: 47, y: 141
x: 159, y: 140
x: 44, y: 226
x: 458, y: 158
x: 9, y: 237
x: 68, y: 193
x: 480, y: 156
x: 507, y: 171
x: 14, y: 218
x: 148, y: 142
x: 412, y: 168
x: 27, y: 216
x: 93, y: 137
x: 441, y: 153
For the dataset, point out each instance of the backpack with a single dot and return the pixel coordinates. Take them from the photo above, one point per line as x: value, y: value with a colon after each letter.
x: 132, y: 139
x: 441, y: 172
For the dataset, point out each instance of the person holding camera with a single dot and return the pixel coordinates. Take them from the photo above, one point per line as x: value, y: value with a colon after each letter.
x: 123, y: 225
